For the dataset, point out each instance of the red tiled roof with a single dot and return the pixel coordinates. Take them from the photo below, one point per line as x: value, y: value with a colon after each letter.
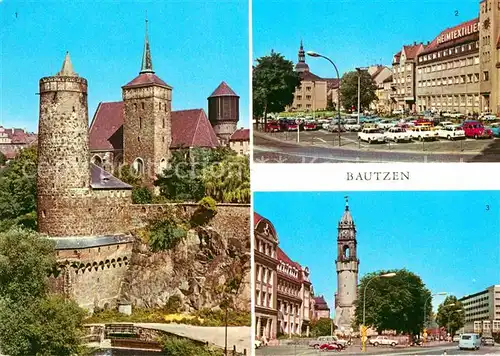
x: 431, y: 47
x: 240, y: 135
x: 309, y: 76
x: 146, y: 79
x: 412, y: 51
x: 191, y: 128
x: 397, y: 56
x: 320, y: 303
x: 377, y: 72
x: 223, y: 90
x: 256, y: 219
x: 332, y: 83
x: 108, y: 120
x: 19, y: 136
x: 282, y: 256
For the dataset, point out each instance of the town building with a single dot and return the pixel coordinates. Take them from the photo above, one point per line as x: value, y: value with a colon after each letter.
x: 283, y: 290
x: 458, y: 71
x: 314, y: 92
x: 12, y: 140
x: 321, y: 308
x: 347, y: 265
x: 380, y: 75
x: 404, y: 65
x: 142, y: 130
x: 482, y: 311
x: 240, y: 141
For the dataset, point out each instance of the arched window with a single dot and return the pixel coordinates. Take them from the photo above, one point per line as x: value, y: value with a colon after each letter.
x: 162, y: 166
x: 138, y: 166
x: 347, y: 252
x: 97, y: 160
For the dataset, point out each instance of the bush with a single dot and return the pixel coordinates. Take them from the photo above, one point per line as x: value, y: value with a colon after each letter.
x: 174, y: 304
x: 166, y: 234
x: 207, y: 209
x: 184, y: 347
x: 141, y: 195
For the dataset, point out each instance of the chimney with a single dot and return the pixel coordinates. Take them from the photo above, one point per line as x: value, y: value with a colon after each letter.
x: 414, y: 43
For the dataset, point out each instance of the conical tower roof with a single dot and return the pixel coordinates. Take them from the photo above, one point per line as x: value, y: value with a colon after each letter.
x: 147, y: 62
x: 223, y: 90
x: 347, y: 217
x: 67, y: 68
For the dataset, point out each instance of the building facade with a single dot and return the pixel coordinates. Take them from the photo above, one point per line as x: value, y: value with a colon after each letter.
x: 283, y: 290
x: 403, y: 76
x: 380, y: 74
x: 240, y: 141
x: 482, y: 311
x: 321, y: 308
x: 12, y: 140
x: 347, y: 265
x: 314, y: 92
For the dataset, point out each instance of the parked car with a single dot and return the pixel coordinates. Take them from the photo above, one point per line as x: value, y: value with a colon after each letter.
x: 422, y: 133
x: 383, y: 340
x: 397, y: 112
x: 288, y: 125
x: 456, y: 338
x: 385, y: 124
x: 352, y: 127
x: 495, y: 129
x: 469, y: 341
x: 476, y: 129
x: 309, y: 126
x: 272, y: 126
x: 487, y: 341
x: 334, y: 127
x: 321, y: 340
x: 397, y: 134
x: 451, y: 132
x: 257, y: 344
x: 488, y: 117
x: 330, y: 347
x: 371, y: 134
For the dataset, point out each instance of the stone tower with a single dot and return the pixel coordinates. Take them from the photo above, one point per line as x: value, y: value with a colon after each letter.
x: 63, y: 174
x: 489, y: 55
x: 301, y: 65
x: 224, y: 111
x: 347, y: 265
x: 147, y: 129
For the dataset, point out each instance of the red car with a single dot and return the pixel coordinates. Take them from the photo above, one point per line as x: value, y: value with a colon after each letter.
x: 476, y: 129
x: 309, y: 126
x: 272, y: 126
x: 330, y: 347
x: 288, y: 125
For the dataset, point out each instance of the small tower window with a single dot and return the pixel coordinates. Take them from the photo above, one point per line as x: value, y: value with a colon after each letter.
x: 165, y: 107
x: 163, y: 122
x: 140, y: 122
x: 159, y: 106
x: 142, y: 105
x: 138, y: 138
x: 347, y: 252
x: 135, y: 106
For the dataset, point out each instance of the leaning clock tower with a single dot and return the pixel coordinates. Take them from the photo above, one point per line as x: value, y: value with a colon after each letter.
x: 347, y: 265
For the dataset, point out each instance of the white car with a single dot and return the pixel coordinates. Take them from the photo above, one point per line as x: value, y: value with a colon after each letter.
x: 423, y: 133
x: 489, y: 118
x: 371, y: 134
x: 352, y: 127
x: 386, y: 124
x: 451, y: 132
x: 383, y: 340
x: 397, y: 112
x: 257, y: 344
x: 397, y: 134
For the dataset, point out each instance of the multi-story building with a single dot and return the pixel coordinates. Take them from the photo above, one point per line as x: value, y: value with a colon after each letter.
x: 283, y: 290
x: 314, y: 92
x: 482, y: 310
x: 13, y: 140
x: 403, y: 76
x: 240, y: 141
x: 380, y: 74
x: 321, y: 308
x: 448, y: 71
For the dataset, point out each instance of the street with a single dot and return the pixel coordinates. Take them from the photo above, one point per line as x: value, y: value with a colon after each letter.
x: 322, y: 146
x: 302, y: 350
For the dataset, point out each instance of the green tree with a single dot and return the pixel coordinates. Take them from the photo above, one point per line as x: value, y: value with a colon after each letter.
x: 229, y: 180
x: 395, y: 303
x: 3, y: 159
x: 31, y: 321
x: 274, y: 82
x: 450, y: 314
x: 321, y: 327
x: 183, y: 178
x: 128, y: 175
x: 141, y: 195
x: 349, y: 90
x: 42, y: 327
x: 18, y: 191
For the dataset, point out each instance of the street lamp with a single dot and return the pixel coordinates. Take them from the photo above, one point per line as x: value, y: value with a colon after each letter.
x: 363, y: 328
x: 425, y: 311
x: 359, y: 69
x: 314, y: 54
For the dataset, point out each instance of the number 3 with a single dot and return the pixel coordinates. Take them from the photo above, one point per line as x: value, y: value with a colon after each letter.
x: 487, y: 207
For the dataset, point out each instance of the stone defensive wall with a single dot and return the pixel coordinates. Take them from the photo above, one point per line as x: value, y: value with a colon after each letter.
x: 92, y: 268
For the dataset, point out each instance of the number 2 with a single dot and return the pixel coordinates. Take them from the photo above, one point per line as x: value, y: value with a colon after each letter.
x: 456, y: 12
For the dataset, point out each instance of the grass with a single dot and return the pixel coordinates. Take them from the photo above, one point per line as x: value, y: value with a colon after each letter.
x: 201, y: 318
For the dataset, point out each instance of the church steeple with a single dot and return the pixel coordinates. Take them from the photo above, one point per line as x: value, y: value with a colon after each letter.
x: 67, y: 68
x: 302, y: 53
x: 301, y: 65
x: 147, y: 63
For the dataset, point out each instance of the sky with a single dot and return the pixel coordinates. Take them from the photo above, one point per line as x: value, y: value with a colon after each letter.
x: 352, y: 33
x: 450, y: 239
x: 195, y: 45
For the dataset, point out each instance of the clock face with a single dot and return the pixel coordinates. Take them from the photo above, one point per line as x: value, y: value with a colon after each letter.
x: 486, y: 24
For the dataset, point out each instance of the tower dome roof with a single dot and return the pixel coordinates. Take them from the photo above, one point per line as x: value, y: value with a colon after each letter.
x: 223, y: 90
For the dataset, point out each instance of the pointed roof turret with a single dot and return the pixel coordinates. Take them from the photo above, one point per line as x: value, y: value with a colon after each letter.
x: 347, y: 217
x: 302, y: 66
x: 67, y: 68
x: 223, y: 90
x: 147, y: 63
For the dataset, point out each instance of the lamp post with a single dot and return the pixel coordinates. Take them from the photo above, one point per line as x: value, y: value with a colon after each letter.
x: 363, y: 327
x: 425, y: 311
x: 314, y: 54
x: 359, y: 69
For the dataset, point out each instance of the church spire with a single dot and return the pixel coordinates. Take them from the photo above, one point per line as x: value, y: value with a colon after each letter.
x: 346, y: 203
x: 67, y: 68
x: 302, y: 54
x: 147, y: 63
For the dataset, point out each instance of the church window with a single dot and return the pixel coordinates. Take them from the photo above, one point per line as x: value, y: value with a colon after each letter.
x: 346, y: 252
x: 138, y: 166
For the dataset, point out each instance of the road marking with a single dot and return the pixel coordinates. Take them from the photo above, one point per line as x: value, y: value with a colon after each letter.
x: 318, y: 138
